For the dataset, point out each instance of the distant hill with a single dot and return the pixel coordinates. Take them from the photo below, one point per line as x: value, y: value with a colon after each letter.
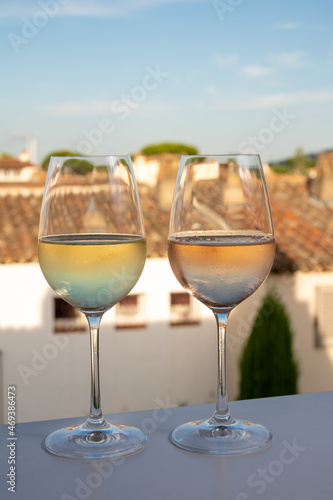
x: 311, y: 157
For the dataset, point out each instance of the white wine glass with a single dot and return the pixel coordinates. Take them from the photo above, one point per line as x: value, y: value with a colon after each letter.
x: 221, y: 248
x: 92, y: 250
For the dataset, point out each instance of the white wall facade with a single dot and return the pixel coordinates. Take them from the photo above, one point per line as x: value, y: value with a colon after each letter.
x: 23, y: 174
x: 141, y: 368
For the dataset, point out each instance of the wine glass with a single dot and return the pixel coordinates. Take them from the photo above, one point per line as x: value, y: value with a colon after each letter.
x: 221, y: 248
x: 92, y: 250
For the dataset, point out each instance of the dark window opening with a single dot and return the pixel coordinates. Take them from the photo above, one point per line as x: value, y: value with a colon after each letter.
x: 130, y: 312
x: 182, y: 309
x: 67, y: 319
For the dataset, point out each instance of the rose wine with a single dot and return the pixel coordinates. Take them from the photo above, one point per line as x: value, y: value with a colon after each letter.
x: 221, y: 270
x: 92, y: 272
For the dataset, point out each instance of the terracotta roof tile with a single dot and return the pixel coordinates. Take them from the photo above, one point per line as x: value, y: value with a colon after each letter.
x: 303, y: 226
x: 13, y: 164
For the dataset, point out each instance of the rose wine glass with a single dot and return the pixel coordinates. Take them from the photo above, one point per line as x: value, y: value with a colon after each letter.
x: 221, y: 248
x: 92, y: 250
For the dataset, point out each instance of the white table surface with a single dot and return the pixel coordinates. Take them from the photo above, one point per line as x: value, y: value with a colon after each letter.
x: 298, y: 465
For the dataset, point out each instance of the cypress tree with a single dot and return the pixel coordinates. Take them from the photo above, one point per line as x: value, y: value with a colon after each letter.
x: 267, y: 364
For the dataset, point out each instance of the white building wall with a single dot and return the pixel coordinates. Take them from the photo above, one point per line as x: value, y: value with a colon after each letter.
x: 141, y: 368
x: 315, y: 364
x: 23, y: 174
x: 297, y: 292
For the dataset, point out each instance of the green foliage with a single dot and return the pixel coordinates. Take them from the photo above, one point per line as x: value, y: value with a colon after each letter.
x: 281, y: 169
x: 300, y: 163
x: 77, y: 166
x: 62, y: 152
x: 169, y: 147
x: 267, y: 365
x: 5, y: 155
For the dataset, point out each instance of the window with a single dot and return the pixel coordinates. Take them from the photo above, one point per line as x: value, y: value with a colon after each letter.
x: 182, y: 309
x: 130, y: 312
x: 67, y: 319
x: 324, y: 316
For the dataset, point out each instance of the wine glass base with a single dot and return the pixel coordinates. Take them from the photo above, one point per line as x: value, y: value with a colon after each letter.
x: 237, y: 437
x: 112, y: 441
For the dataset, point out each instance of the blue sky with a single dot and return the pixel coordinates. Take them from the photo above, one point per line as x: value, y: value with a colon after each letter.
x: 112, y: 76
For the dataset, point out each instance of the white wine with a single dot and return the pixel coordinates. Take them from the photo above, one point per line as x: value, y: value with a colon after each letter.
x: 92, y: 272
x: 221, y: 270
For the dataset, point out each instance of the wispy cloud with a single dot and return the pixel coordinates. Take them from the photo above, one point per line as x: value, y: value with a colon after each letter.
x: 77, y: 108
x: 247, y: 102
x: 106, y: 108
x: 287, y: 25
x: 272, y: 63
x: 86, y: 8
x: 287, y: 59
x: 225, y: 61
x: 257, y: 71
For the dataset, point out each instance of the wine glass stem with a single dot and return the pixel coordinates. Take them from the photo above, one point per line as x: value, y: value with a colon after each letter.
x: 222, y: 410
x: 96, y: 416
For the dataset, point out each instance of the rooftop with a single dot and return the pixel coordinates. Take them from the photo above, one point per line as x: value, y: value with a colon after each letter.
x: 8, y: 163
x: 303, y: 224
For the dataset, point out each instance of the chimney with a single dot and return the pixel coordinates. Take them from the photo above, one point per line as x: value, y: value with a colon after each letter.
x: 322, y: 185
x: 24, y: 156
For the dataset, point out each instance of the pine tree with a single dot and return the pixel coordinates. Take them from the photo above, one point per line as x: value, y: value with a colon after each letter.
x: 267, y: 364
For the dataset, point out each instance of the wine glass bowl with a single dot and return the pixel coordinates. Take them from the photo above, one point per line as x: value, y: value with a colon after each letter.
x: 92, y: 250
x: 221, y: 248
